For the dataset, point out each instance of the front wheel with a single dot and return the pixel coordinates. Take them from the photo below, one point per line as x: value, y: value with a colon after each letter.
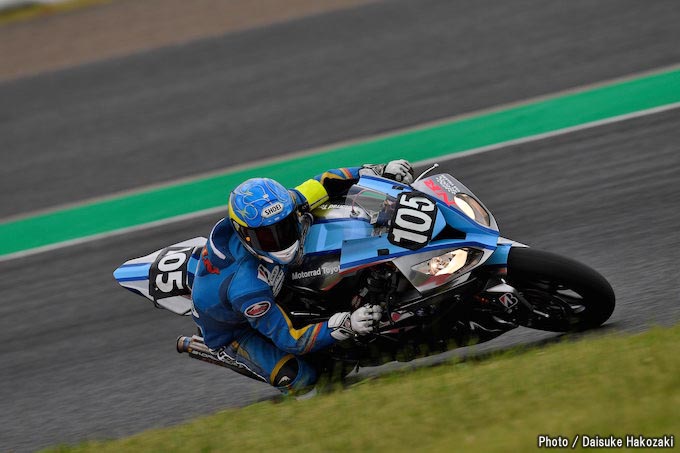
x: 566, y: 295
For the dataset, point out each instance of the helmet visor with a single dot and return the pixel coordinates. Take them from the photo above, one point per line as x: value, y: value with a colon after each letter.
x: 276, y: 237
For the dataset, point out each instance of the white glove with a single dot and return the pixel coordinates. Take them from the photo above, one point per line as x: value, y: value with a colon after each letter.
x: 399, y: 170
x: 360, y: 322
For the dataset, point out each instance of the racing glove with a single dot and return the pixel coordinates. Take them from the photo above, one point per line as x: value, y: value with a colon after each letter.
x: 399, y: 170
x: 362, y: 321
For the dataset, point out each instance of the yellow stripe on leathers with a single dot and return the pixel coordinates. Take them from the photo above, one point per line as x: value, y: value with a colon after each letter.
x: 295, y: 333
x: 239, y: 350
x: 314, y: 192
x: 278, y: 366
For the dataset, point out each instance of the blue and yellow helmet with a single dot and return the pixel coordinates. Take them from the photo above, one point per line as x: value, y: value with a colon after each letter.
x: 264, y: 215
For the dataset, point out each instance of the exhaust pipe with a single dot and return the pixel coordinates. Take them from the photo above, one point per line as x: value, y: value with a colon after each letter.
x: 196, y: 349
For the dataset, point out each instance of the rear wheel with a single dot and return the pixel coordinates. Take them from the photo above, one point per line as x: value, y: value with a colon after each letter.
x: 566, y: 295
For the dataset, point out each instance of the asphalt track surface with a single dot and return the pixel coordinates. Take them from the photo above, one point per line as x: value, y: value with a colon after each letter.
x: 82, y: 358
x: 198, y: 107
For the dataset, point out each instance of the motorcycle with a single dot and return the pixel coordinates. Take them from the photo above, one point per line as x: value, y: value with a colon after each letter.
x: 429, y: 253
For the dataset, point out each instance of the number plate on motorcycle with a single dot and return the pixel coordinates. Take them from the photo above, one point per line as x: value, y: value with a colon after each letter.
x: 413, y: 221
x: 168, y: 274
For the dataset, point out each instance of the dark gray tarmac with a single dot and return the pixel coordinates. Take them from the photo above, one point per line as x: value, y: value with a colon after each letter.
x: 124, y: 123
x: 82, y: 358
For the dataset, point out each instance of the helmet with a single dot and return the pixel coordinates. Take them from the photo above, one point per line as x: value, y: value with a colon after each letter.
x: 264, y: 215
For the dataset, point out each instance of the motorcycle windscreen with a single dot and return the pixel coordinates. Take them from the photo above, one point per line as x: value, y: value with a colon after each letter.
x: 385, y: 226
x: 456, y: 195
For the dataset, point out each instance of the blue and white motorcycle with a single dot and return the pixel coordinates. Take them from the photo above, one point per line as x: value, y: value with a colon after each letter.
x: 429, y: 253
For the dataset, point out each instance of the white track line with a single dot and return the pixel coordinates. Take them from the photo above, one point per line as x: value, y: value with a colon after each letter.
x: 344, y: 143
x: 555, y: 133
x: 457, y: 155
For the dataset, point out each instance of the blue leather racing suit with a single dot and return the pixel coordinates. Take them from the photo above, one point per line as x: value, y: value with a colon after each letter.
x: 234, y: 302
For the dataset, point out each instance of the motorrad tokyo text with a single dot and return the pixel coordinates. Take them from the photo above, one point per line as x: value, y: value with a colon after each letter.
x: 596, y: 441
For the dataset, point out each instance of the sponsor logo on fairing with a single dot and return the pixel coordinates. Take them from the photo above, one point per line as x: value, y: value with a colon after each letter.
x: 328, y: 206
x: 439, y: 192
x: 306, y: 274
x: 258, y: 309
x: 508, y: 300
x: 400, y: 316
x: 448, y: 184
x: 325, y: 270
x: 272, y: 210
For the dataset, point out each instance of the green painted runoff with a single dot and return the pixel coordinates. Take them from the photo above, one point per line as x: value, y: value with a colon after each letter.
x: 429, y: 142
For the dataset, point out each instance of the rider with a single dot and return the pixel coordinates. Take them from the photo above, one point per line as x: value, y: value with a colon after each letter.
x: 242, y: 269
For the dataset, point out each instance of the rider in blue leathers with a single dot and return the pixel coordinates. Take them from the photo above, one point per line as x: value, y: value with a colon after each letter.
x: 242, y: 269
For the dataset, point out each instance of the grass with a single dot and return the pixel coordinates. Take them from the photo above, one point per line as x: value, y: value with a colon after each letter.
x: 613, y: 385
x: 32, y: 11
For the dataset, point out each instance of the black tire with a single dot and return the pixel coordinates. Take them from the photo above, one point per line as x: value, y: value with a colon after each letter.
x: 575, y: 296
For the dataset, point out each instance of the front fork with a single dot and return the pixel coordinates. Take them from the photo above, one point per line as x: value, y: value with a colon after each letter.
x: 507, y: 303
x: 497, y: 294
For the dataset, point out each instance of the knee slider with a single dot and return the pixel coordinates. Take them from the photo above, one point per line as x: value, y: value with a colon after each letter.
x: 287, y: 373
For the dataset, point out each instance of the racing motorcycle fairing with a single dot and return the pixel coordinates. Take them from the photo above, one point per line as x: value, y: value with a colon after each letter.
x: 165, y: 276
x: 499, y: 258
x: 456, y: 195
x: 434, y: 235
x: 380, y: 220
